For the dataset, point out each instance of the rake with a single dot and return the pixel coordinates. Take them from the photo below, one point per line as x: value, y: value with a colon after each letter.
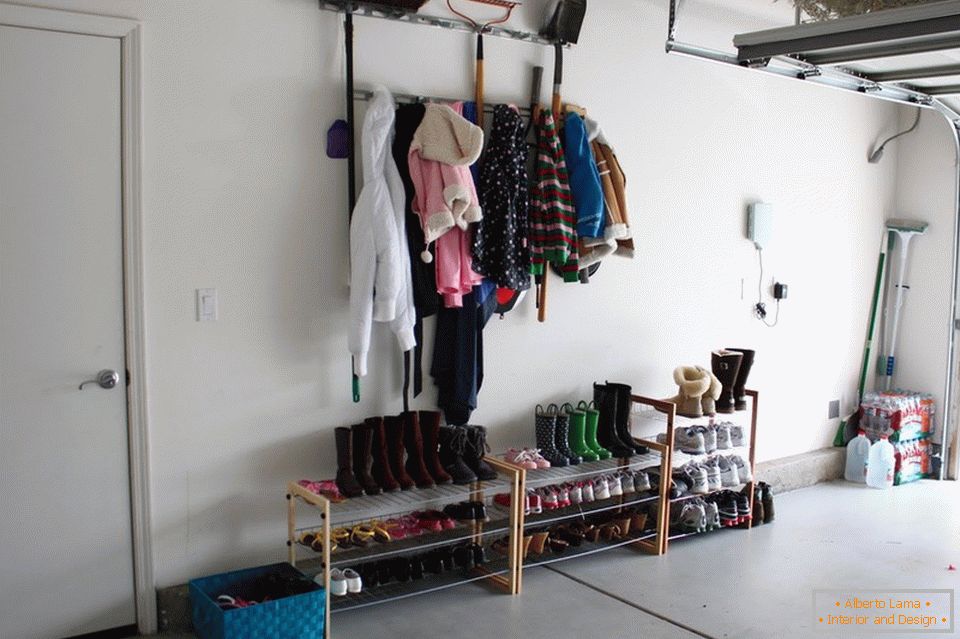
x: 481, y: 27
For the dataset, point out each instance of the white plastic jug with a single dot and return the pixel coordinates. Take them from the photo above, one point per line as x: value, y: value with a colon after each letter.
x: 880, y: 464
x: 857, y: 452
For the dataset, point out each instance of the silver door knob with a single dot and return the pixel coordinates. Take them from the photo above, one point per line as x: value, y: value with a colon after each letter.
x: 105, y: 379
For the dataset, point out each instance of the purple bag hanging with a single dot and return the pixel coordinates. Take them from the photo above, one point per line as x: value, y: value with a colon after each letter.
x: 337, y: 143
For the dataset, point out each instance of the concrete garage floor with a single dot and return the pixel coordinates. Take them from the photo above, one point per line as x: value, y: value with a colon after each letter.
x: 737, y: 584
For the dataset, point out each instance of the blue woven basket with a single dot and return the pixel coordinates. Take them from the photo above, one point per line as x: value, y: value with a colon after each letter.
x: 296, y: 617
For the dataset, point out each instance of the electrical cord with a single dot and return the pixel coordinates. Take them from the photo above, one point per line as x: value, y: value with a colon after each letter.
x: 760, y: 310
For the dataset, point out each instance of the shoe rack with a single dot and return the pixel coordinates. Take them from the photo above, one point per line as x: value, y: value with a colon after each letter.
x: 651, y: 539
x: 648, y: 413
x: 308, y: 512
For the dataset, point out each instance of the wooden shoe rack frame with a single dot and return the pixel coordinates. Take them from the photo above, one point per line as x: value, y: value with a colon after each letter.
x: 647, y: 411
x: 503, y: 573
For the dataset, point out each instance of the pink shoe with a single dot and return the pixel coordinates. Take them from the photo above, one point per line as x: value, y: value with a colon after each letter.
x: 549, y: 498
x: 521, y: 458
x: 540, y: 460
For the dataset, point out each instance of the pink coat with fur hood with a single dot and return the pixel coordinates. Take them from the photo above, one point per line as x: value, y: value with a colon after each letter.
x: 443, y: 148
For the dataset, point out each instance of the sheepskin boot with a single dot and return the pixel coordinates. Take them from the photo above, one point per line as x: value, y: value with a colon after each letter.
x: 381, y: 459
x: 430, y: 428
x: 413, y: 442
x: 739, y: 397
x: 393, y: 426
x: 709, y: 400
x: 363, y: 458
x: 693, y: 384
x: 346, y: 481
x: 453, y: 446
x: 726, y: 366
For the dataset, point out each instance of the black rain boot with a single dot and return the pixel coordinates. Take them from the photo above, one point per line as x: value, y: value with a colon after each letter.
x: 624, y: 395
x: 546, y: 427
x: 346, y: 482
x: 363, y: 458
x: 453, y: 445
x: 381, y: 458
x: 562, y: 436
x: 766, y: 496
x: 606, y: 401
x: 476, y: 449
x: 726, y: 365
x: 739, y: 397
x: 430, y: 429
x: 413, y: 442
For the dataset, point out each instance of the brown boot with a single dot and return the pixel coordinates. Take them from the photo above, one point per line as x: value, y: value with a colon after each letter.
x: 413, y: 442
x: 394, y: 429
x: 363, y: 458
x: 726, y: 365
x: 430, y: 429
x: 381, y: 460
x: 346, y: 481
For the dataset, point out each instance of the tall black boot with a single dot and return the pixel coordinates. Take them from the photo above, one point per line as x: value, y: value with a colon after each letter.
x: 622, y: 423
x: 453, y: 446
x: 363, y: 458
x: 606, y: 401
x: 726, y: 365
x: 476, y: 449
x: 346, y: 482
x: 739, y: 397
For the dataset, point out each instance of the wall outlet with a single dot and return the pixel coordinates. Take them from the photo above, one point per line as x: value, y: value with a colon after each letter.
x: 833, y: 409
x: 206, y: 304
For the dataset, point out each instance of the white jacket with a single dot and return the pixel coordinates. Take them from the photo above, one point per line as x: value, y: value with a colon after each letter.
x: 381, y: 285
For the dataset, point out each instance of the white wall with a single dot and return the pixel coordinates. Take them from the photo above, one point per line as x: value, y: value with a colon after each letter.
x: 240, y: 196
x: 926, y: 190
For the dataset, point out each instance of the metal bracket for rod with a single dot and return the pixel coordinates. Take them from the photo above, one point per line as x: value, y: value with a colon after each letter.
x: 372, y: 10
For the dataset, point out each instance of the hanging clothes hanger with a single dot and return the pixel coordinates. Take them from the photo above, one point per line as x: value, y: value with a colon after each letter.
x: 481, y: 27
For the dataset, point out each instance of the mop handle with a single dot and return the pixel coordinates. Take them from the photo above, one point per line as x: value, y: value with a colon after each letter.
x: 891, y: 358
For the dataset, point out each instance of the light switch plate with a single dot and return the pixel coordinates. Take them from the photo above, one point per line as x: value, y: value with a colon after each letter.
x: 206, y: 304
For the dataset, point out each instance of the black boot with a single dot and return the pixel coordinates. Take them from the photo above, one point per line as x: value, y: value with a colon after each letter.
x: 562, y: 438
x: 476, y: 449
x: 739, y: 397
x: 726, y: 365
x: 453, y: 445
x: 766, y: 497
x: 622, y: 423
x: 363, y: 458
x: 346, y: 482
x: 606, y: 401
x: 413, y: 442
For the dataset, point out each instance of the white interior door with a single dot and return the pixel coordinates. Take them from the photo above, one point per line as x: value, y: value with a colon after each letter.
x: 66, y: 557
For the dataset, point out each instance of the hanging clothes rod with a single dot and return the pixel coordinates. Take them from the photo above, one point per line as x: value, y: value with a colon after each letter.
x: 364, y: 95
x: 372, y: 10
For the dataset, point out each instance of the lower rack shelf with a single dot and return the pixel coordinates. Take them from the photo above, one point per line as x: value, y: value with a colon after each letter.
x: 587, y: 548
x: 430, y: 583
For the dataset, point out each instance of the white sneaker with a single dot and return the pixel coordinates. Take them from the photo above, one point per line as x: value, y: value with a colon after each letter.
x: 354, y: 583
x: 714, y: 478
x: 614, y: 486
x: 736, y: 435
x: 723, y: 436
x: 697, y: 479
x: 641, y: 481
x: 627, y: 482
x: 689, y: 441
x: 576, y: 493
x: 728, y: 473
x: 601, y: 490
x: 338, y: 583
x: 743, y: 469
x: 586, y: 490
x: 709, y: 438
x: 713, y: 515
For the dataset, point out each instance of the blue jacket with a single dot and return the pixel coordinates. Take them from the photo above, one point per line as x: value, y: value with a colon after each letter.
x: 584, y: 178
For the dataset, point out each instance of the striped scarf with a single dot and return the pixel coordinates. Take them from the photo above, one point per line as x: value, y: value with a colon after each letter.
x: 553, y: 219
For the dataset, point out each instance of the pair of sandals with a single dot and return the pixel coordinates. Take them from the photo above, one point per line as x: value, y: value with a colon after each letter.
x: 358, y: 536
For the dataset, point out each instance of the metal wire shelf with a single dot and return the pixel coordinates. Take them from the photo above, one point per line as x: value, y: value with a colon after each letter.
x: 588, y: 548
x: 736, y: 489
x: 550, y: 476
x: 585, y: 510
x: 676, y: 536
x: 430, y: 583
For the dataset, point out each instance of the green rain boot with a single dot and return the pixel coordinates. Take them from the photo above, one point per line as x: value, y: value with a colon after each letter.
x: 590, y: 430
x: 578, y: 424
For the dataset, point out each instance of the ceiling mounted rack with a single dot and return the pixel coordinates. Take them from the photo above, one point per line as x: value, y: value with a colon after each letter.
x: 374, y: 10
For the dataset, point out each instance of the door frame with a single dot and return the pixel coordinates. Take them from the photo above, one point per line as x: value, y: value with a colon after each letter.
x: 128, y: 33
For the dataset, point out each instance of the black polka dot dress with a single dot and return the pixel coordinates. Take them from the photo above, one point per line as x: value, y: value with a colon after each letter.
x: 500, y: 249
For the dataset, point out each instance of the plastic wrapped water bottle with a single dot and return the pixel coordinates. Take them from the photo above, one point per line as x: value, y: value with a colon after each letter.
x: 880, y: 464
x: 857, y: 452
